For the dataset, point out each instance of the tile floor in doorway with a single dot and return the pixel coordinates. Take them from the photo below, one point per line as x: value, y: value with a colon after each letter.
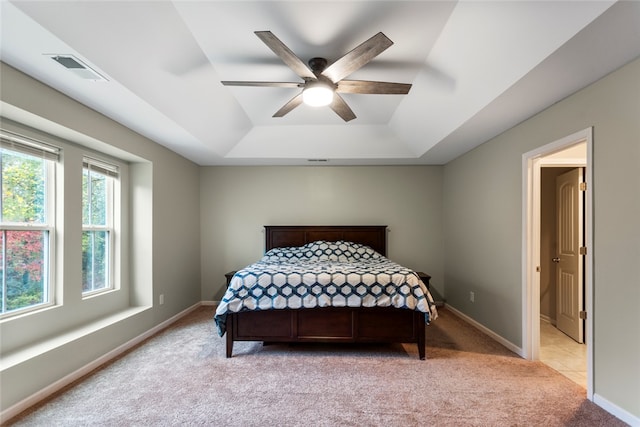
x: 563, y: 354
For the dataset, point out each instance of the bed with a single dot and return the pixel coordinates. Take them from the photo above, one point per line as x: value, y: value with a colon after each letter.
x: 266, y: 301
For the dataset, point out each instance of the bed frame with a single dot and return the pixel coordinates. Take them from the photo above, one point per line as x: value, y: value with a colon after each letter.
x: 332, y: 325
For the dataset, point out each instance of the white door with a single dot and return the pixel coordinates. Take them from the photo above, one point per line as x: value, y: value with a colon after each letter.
x: 569, y: 259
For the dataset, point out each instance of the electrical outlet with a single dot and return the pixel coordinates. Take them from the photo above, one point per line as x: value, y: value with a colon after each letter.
x: 472, y: 296
x: 161, y: 299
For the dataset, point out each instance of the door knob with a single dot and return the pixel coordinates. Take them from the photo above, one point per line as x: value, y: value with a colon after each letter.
x: 555, y: 259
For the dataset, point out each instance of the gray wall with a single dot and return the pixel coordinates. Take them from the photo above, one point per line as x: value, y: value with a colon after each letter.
x: 237, y: 202
x: 202, y: 222
x: 163, y: 248
x: 483, y: 226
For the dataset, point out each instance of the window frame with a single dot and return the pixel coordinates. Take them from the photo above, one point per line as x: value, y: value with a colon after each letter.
x: 70, y: 310
x: 110, y: 171
x: 49, y: 155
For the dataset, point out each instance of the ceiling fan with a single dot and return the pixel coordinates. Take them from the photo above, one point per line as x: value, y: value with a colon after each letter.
x: 324, y: 82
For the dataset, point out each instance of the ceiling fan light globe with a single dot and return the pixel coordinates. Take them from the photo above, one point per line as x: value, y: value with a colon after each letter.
x: 317, y: 96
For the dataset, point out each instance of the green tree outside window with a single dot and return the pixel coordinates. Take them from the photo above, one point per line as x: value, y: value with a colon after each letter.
x: 96, y: 233
x: 23, y: 234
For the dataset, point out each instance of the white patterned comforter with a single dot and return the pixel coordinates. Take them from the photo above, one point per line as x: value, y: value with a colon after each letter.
x: 324, y: 274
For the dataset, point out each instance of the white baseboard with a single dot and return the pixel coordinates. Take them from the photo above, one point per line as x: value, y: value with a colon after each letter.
x: 547, y: 319
x: 508, y: 344
x: 210, y: 303
x: 614, y: 409
x: 63, y: 382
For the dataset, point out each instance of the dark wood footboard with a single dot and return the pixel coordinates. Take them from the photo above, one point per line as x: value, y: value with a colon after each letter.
x: 346, y: 325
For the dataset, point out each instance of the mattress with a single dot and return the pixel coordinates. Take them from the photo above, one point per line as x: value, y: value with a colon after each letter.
x: 324, y: 274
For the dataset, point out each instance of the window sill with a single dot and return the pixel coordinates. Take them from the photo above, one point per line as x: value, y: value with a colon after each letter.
x: 14, y: 358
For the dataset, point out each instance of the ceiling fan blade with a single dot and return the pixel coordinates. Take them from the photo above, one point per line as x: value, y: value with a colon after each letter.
x: 286, y: 108
x: 363, y: 86
x: 262, y: 84
x: 341, y: 108
x: 358, y: 57
x: 289, y: 58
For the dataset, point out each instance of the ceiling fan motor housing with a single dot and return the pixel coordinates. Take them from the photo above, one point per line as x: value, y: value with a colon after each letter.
x: 317, y: 65
x: 322, y: 82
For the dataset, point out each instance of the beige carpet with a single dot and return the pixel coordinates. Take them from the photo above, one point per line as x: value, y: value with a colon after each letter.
x: 181, y: 377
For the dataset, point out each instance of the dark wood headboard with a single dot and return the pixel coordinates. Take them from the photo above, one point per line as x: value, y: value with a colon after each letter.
x: 374, y: 236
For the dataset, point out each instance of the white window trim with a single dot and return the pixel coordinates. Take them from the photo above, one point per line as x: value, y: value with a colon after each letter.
x: 49, y: 226
x: 111, y: 172
x: 71, y: 311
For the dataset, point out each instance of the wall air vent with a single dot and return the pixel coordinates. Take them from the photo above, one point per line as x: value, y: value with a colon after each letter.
x: 78, y: 67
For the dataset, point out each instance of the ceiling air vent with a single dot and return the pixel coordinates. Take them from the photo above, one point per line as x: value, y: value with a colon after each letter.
x: 78, y: 67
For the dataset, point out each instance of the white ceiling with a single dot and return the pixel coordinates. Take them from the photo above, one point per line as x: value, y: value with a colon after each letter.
x: 477, y: 68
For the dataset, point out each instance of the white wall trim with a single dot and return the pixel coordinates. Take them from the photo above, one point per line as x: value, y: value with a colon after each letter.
x: 565, y: 163
x: 611, y: 408
x: 531, y: 163
x: 210, y: 302
x: 614, y: 409
x: 26, y: 403
x: 508, y: 344
x: 63, y: 382
x: 547, y: 319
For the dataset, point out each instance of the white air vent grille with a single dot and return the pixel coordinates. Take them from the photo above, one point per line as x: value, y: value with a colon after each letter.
x: 77, y: 67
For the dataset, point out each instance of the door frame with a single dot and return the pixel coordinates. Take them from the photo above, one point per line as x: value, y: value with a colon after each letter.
x: 532, y: 161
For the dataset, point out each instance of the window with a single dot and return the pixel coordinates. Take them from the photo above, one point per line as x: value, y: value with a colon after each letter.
x: 26, y: 222
x: 97, y: 225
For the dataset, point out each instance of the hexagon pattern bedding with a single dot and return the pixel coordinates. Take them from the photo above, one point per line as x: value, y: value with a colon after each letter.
x: 324, y: 274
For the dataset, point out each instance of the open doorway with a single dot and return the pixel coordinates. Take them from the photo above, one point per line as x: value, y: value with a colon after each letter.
x: 545, y: 301
x: 561, y: 272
